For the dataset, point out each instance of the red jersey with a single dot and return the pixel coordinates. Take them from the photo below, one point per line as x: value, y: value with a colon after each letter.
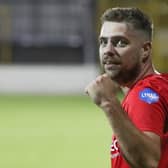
x: 147, y: 106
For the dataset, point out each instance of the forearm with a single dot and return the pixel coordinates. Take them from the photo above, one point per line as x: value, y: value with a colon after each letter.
x: 138, y: 148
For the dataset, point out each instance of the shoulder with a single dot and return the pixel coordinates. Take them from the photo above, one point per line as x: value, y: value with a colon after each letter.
x: 149, y: 89
x: 153, y: 83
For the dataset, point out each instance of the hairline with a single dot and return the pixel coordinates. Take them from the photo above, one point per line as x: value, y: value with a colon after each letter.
x: 131, y: 26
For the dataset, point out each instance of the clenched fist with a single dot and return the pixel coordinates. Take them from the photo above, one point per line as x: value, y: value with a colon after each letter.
x: 101, y: 90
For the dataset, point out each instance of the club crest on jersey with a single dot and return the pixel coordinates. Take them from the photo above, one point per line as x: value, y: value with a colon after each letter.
x: 149, y: 96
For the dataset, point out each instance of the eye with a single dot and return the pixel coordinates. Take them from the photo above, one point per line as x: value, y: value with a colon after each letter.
x: 102, y: 41
x: 121, y: 43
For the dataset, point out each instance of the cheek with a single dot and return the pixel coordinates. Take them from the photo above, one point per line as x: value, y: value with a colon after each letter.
x: 100, y: 54
x: 100, y: 51
x: 131, y: 58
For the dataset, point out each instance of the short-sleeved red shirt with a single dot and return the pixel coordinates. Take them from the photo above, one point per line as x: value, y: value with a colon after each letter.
x: 147, y: 106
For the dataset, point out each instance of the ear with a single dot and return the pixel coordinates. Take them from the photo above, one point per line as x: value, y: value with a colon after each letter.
x: 146, y: 51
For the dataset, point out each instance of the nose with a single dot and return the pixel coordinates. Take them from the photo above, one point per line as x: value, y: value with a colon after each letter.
x: 109, y: 49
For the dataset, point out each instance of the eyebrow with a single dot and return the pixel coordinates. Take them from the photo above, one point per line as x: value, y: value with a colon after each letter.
x: 112, y: 37
x: 102, y: 38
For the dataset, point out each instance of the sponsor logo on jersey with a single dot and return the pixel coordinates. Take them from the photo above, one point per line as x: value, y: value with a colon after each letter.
x: 149, y: 96
x: 115, y: 149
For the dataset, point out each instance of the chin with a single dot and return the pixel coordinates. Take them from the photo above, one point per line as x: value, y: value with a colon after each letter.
x: 113, y: 74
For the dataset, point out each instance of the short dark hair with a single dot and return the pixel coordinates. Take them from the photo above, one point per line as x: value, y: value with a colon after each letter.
x: 134, y: 16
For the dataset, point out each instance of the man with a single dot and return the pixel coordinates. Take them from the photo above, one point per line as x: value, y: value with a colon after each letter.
x: 140, y: 124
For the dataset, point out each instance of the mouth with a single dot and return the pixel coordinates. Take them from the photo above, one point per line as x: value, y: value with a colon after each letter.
x: 111, y: 63
x: 111, y: 66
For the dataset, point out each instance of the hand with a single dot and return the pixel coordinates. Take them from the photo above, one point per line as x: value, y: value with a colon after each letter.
x: 101, y: 90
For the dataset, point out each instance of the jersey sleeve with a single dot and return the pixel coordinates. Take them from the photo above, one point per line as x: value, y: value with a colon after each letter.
x: 146, y: 110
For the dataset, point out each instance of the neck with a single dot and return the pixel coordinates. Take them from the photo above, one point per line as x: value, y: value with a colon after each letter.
x: 148, y: 69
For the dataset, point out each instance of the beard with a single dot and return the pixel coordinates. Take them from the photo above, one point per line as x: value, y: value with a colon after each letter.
x: 124, y: 75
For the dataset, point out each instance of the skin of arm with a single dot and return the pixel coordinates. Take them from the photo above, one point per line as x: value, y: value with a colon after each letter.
x: 140, y: 149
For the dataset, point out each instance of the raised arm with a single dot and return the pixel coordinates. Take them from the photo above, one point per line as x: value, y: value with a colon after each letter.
x: 140, y: 149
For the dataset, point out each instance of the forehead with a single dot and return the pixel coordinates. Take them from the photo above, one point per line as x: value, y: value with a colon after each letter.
x: 110, y: 29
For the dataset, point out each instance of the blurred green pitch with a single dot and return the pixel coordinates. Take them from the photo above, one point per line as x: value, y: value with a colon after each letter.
x: 53, y: 132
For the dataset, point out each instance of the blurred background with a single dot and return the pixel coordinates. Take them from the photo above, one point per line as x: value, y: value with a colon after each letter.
x: 48, y: 54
